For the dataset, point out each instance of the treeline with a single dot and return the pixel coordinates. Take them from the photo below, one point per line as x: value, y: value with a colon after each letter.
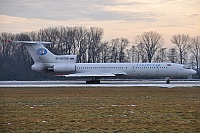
x: 89, y: 46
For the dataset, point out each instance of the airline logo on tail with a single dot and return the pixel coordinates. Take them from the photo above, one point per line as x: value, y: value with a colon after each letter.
x: 41, y: 51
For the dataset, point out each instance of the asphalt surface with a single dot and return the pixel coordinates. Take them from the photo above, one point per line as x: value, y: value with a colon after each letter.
x: 103, y: 84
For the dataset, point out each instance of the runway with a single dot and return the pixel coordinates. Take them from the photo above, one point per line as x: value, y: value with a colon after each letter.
x: 103, y: 84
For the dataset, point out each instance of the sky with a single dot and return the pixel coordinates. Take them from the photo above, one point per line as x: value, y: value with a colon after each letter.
x: 118, y: 18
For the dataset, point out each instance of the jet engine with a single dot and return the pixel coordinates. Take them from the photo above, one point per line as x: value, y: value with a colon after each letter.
x: 63, y: 68
x: 39, y: 67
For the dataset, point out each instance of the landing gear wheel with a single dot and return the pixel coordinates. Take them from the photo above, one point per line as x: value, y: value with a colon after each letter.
x: 167, y: 81
x: 93, y: 81
x: 97, y: 82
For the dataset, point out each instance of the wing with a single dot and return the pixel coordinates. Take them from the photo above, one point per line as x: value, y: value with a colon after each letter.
x: 99, y: 75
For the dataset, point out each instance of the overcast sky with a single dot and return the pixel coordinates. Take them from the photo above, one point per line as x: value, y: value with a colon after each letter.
x: 118, y: 18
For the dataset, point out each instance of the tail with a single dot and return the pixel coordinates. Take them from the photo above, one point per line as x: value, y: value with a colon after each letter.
x: 40, y: 54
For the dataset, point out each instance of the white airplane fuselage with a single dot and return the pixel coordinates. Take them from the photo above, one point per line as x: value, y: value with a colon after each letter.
x: 136, y: 69
x: 126, y: 69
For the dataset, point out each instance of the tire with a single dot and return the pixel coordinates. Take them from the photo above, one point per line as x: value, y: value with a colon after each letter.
x: 168, y: 81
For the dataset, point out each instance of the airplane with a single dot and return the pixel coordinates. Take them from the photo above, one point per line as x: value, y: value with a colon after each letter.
x: 65, y: 65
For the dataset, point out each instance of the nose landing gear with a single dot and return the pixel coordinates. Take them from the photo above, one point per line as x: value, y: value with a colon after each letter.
x: 167, y: 80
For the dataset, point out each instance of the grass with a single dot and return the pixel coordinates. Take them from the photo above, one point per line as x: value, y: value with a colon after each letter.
x: 127, y: 109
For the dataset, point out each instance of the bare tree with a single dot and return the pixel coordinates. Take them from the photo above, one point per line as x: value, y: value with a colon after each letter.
x: 173, y: 55
x: 128, y: 55
x: 141, y: 54
x: 133, y: 53
x: 82, y: 43
x: 195, y: 50
x: 182, y: 42
x: 114, y: 50
x: 161, y: 55
x: 5, y: 48
x: 105, y: 51
x: 118, y: 49
x: 94, y: 37
x: 123, y: 43
x: 68, y: 36
x: 151, y: 41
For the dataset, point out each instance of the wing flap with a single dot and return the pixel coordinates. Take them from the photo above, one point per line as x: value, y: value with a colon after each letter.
x: 88, y: 74
x: 120, y: 74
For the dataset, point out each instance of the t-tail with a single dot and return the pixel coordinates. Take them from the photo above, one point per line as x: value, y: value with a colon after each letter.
x: 43, y: 59
x: 38, y: 52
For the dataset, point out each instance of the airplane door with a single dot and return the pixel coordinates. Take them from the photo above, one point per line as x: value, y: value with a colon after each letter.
x: 157, y: 69
x: 133, y: 70
x: 103, y: 69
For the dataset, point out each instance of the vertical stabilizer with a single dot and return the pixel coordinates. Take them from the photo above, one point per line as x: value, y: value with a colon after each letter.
x: 38, y: 52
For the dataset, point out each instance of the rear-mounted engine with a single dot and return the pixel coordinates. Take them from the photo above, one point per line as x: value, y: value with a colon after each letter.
x: 62, y: 68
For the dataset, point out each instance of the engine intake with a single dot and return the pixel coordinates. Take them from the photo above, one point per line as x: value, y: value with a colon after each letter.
x: 39, y: 67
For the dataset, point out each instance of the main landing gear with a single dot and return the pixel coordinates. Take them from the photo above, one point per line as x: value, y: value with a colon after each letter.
x: 93, y: 81
x: 167, y: 81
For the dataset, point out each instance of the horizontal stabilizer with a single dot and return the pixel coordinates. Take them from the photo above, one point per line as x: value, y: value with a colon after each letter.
x: 31, y: 42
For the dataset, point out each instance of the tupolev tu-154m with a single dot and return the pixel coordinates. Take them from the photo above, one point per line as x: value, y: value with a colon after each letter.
x: 65, y: 65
